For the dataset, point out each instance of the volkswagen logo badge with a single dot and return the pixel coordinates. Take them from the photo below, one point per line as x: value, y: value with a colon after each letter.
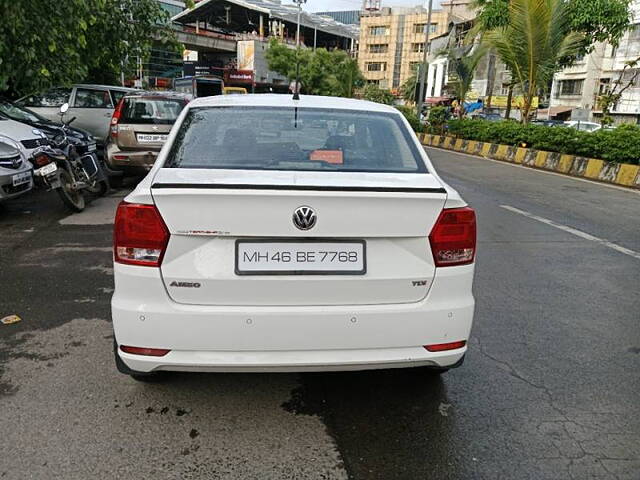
x: 304, y: 218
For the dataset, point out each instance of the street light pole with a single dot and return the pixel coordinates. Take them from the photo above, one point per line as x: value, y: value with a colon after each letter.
x: 296, y: 91
x: 425, y: 65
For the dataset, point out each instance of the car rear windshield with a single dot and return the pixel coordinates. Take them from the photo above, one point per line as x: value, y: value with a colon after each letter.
x: 268, y: 138
x: 158, y: 111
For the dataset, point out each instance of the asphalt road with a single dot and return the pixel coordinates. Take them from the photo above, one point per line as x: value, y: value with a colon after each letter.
x: 550, y: 388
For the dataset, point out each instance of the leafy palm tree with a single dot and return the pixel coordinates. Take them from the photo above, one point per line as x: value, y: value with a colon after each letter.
x: 534, y: 44
x: 462, y: 69
x: 408, y: 88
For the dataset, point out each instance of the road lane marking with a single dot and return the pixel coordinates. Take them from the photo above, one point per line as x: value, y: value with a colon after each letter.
x: 573, y: 231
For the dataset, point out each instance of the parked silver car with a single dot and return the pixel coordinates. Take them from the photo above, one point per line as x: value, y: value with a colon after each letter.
x: 16, y: 175
x: 91, y: 105
x: 28, y: 137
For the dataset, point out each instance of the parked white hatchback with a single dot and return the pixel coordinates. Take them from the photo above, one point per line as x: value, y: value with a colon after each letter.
x: 275, y: 234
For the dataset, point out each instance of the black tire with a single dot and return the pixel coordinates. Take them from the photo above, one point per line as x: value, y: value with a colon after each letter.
x: 100, y: 188
x: 144, y: 377
x: 74, y: 201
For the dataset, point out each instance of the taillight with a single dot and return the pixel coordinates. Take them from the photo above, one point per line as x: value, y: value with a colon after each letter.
x: 117, y: 113
x: 140, y: 236
x: 443, y: 347
x: 453, y: 238
x: 149, y: 352
x: 42, y: 160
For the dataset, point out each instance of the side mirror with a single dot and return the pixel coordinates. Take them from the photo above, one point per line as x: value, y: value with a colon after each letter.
x: 63, y: 108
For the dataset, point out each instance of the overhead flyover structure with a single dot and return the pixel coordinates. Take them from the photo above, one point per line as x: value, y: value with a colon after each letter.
x: 226, y: 20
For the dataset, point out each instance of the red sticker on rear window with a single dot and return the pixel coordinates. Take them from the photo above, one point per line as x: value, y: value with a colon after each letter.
x: 329, y: 156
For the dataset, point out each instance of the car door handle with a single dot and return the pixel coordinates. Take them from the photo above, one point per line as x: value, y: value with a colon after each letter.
x: 108, y: 115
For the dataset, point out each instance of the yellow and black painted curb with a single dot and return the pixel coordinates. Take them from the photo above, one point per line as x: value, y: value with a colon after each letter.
x: 623, y: 174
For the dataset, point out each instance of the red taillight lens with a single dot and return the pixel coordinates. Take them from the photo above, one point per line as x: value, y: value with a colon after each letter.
x: 453, y: 238
x: 117, y: 113
x: 140, y: 236
x: 441, y: 347
x: 42, y: 160
x: 149, y: 352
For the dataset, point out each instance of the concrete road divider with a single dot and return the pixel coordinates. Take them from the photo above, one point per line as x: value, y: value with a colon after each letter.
x: 623, y: 174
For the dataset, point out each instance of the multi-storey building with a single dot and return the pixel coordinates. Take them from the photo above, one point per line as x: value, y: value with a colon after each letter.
x: 576, y: 89
x: 392, y: 43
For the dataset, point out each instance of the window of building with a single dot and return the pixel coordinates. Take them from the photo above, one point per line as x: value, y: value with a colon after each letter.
x: 417, y: 47
x: 603, y: 86
x: 379, y: 30
x: 379, y: 48
x: 373, y: 82
x: 571, y: 87
x: 422, y: 28
x: 376, y: 66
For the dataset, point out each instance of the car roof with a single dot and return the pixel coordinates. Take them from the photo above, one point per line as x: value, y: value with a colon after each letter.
x: 104, y: 87
x: 286, y: 100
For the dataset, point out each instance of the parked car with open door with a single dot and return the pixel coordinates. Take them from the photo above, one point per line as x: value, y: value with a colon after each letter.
x: 91, y: 105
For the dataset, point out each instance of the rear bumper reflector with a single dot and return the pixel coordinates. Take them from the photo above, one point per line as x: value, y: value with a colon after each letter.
x: 441, y: 347
x: 148, y: 352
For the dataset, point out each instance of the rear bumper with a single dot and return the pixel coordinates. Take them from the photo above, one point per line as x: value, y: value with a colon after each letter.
x: 134, y: 160
x: 292, y: 361
x: 359, y: 337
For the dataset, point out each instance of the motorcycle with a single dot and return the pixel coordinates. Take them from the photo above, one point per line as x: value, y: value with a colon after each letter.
x: 59, y: 167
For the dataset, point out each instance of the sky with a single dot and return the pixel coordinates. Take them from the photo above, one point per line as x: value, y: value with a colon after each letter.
x: 330, y: 5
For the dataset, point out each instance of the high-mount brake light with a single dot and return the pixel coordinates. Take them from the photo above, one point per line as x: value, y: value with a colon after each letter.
x: 140, y: 235
x: 453, y: 237
x: 117, y: 113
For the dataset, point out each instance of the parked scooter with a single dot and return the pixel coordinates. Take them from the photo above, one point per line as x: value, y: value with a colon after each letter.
x: 59, y: 167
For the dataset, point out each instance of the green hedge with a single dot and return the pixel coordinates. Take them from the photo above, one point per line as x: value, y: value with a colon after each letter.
x: 411, y: 116
x: 619, y: 145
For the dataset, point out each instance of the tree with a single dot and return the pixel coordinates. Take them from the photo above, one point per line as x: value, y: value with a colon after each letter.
x: 322, y: 72
x: 374, y: 93
x: 597, y: 20
x: 533, y: 44
x: 626, y: 79
x: 409, y: 87
x: 463, y: 67
x: 45, y: 43
x: 129, y: 28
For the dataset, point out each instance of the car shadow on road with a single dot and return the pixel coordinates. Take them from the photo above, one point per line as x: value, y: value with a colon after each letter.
x: 387, y: 423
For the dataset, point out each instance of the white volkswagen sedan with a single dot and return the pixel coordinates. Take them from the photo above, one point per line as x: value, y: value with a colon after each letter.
x: 276, y: 234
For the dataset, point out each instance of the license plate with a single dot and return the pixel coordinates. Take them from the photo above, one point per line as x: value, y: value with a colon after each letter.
x: 21, y: 178
x: 46, y: 170
x: 299, y: 257
x: 151, y: 138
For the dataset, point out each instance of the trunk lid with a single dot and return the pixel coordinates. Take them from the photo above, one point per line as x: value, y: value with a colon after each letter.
x: 208, y: 211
